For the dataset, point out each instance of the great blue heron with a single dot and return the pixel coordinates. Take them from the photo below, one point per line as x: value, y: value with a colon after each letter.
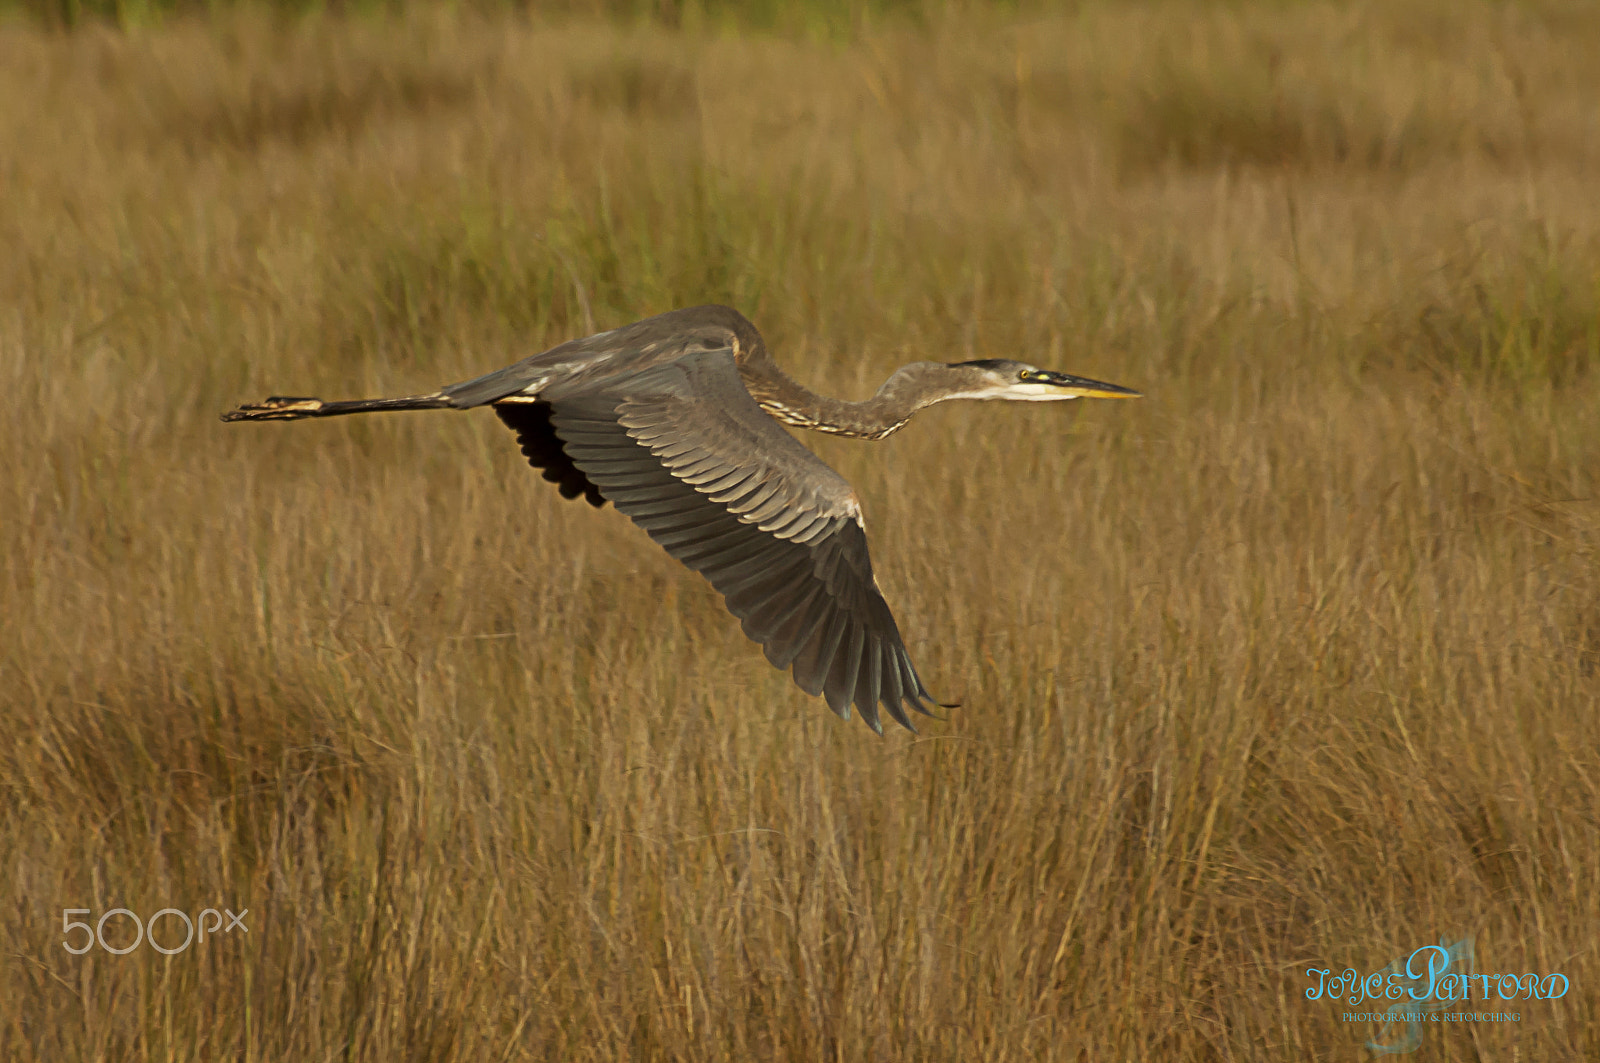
x: 675, y: 420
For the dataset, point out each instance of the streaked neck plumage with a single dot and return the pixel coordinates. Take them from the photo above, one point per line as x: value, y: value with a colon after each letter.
x: 909, y: 389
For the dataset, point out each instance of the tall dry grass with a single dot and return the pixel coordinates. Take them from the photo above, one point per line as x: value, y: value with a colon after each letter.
x: 1294, y: 664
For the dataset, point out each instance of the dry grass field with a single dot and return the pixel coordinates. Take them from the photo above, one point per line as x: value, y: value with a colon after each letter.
x: 1292, y: 664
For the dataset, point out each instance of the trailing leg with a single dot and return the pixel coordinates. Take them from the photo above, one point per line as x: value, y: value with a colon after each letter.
x: 284, y: 408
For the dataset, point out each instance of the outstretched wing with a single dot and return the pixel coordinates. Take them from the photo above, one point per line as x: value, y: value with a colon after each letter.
x: 689, y: 456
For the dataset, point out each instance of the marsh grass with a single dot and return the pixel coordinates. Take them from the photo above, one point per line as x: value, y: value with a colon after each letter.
x: 1294, y: 663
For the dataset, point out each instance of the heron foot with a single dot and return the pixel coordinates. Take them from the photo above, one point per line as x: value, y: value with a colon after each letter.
x: 276, y: 408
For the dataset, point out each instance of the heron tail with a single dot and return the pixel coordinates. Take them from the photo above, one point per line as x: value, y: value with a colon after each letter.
x: 285, y: 408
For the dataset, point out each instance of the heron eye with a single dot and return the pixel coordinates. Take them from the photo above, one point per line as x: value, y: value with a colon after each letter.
x: 1026, y: 374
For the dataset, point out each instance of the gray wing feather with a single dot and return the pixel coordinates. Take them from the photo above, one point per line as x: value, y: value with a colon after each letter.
x: 689, y: 456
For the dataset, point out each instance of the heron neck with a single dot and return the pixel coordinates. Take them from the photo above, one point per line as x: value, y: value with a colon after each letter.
x: 901, y: 396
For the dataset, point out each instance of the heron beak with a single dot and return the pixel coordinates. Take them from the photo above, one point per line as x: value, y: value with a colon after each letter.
x: 1083, y: 388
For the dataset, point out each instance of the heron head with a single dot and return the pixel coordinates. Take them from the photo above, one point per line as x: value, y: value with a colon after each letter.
x: 1001, y: 378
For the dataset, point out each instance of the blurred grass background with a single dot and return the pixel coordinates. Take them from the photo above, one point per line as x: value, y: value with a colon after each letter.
x: 1295, y: 663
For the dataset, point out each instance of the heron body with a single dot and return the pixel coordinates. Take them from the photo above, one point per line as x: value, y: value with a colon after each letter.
x: 677, y: 420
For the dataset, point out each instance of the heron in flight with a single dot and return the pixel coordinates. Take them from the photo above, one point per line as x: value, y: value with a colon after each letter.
x: 677, y: 420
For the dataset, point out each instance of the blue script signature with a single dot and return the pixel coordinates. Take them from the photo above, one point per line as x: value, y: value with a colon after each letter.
x: 1431, y: 979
